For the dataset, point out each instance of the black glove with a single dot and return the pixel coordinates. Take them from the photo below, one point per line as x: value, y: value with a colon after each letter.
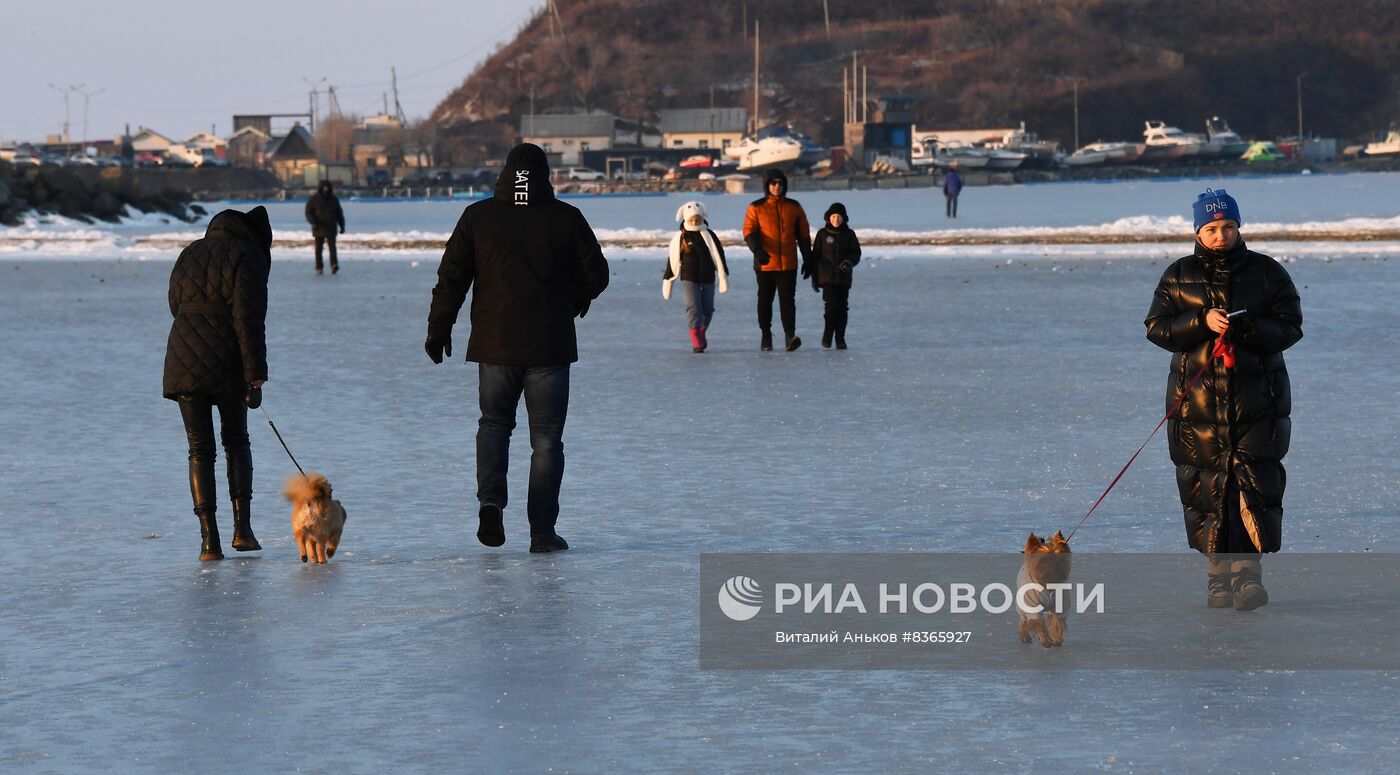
x: 845, y: 266
x: 342, y: 229
x: 759, y: 259
x: 806, y: 269
x: 253, y: 398
x: 436, y: 346
x: 582, y: 309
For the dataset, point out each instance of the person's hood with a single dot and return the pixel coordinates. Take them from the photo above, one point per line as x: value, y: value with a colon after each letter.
x: 772, y: 175
x: 836, y: 207
x: 325, y: 188
x: 524, y: 179
x: 253, y: 226
x: 692, y: 208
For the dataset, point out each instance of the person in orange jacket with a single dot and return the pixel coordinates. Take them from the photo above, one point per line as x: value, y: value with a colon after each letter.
x: 776, y: 230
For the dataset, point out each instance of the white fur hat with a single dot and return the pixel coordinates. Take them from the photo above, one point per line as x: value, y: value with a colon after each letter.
x: 691, y: 208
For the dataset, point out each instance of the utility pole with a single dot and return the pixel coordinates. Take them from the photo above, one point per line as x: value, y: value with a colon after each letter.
x: 398, y: 109
x: 1077, y: 81
x: 1300, y: 112
x: 826, y: 12
x: 86, y: 96
x: 65, y: 93
x: 755, y: 76
x: 312, y: 100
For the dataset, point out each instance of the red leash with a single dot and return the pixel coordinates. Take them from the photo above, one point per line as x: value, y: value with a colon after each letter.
x: 1225, y: 351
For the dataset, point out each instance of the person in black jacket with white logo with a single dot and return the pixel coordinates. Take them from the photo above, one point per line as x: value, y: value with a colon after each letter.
x: 325, y: 215
x: 216, y: 356
x: 835, y: 253
x: 1228, y: 313
x: 535, y: 266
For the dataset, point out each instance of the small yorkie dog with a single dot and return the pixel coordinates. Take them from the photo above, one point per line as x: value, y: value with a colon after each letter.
x: 1046, y: 562
x: 317, y: 520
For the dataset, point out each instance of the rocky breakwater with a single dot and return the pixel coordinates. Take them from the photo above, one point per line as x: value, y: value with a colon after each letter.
x: 108, y: 193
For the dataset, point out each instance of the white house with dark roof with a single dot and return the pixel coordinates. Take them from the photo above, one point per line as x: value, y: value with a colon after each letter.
x: 568, y: 134
x: 703, y: 127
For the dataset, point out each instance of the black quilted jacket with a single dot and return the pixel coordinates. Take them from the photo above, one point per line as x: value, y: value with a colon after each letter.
x: 218, y: 297
x: 1232, y: 431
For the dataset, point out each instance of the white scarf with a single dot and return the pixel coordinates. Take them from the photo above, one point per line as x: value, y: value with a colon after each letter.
x: 674, y: 255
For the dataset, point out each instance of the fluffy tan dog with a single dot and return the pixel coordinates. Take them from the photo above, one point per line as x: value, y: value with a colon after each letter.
x: 1046, y: 562
x: 316, y: 519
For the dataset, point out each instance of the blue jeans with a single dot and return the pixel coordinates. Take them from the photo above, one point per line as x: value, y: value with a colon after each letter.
x: 546, y: 390
x: 699, y: 303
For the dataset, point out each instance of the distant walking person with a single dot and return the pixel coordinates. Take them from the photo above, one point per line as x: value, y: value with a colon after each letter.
x: 952, y: 186
x: 696, y: 258
x: 535, y: 265
x: 324, y: 214
x: 1228, y: 313
x: 216, y: 356
x: 835, y: 253
x: 775, y: 229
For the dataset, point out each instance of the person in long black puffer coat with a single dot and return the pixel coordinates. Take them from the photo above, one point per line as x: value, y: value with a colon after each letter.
x: 835, y: 253
x: 324, y: 213
x: 216, y: 356
x: 1231, y: 432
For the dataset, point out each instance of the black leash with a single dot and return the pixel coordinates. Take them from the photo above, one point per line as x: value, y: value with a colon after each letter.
x: 284, y: 443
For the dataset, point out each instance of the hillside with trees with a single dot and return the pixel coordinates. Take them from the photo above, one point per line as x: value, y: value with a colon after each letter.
x: 969, y: 63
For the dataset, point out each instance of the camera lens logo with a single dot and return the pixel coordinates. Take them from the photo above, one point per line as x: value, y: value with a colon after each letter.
x: 739, y: 598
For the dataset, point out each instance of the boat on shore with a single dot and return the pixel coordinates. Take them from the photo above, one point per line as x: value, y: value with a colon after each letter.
x: 1168, y: 143
x: 1390, y: 146
x: 1232, y: 146
x: 1100, y: 152
x: 1036, y: 153
x: 755, y: 154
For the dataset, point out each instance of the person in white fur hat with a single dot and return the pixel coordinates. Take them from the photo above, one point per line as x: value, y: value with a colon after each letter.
x: 697, y: 259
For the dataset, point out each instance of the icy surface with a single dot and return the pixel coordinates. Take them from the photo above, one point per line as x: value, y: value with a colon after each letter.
x: 1302, y: 205
x: 980, y: 399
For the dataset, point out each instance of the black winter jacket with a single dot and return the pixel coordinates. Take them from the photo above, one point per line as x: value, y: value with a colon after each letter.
x: 1232, y: 431
x: 829, y: 249
x: 696, y: 264
x: 535, y: 263
x: 324, y: 214
x: 218, y: 296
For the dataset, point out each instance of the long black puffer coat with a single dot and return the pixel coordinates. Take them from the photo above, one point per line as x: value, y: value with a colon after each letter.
x: 1229, y: 436
x: 534, y: 262
x: 324, y: 213
x: 218, y: 296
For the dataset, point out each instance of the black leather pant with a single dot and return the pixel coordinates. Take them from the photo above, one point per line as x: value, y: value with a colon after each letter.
x: 784, y: 285
x: 198, y: 414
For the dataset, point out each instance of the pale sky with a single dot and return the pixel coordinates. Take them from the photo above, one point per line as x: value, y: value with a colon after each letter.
x: 178, y: 67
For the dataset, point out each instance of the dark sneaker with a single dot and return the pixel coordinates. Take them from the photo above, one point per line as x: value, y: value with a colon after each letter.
x: 490, y: 531
x: 840, y: 341
x: 766, y: 343
x: 549, y: 543
x: 319, y: 270
x: 793, y: 342
x: 826, y: 340
x: 335, y: 268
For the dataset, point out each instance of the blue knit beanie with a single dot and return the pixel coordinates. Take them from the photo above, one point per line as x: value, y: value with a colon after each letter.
x: 1215, y: 206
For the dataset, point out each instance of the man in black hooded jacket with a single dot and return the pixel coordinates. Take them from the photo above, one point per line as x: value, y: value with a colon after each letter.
x: 536, y: 265
x: 324, y: 214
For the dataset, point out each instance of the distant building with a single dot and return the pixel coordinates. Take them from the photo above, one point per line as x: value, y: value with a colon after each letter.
x: 703, y: 127
x: 634, y: 134
x: 289, y: 155
x: 247, y: 147
x: 888, y: 131
x: 207, y: 142
x: 566, y: 136
x: 150, y: 141
x: 377, y: 143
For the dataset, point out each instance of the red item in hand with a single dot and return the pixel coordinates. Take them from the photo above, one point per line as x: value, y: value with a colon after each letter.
x: 1225, y: 351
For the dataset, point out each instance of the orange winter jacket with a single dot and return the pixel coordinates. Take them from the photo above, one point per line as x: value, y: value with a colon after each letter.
x: 777, y: 227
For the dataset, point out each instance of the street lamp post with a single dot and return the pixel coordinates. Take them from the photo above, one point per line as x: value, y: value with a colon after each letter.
x: 1300, y: 111
x: 1077, y: 81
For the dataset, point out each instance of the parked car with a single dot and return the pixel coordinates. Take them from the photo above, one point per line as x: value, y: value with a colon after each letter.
x: 149, y: 159
x: 378, y: 177
x: 114, y: 161
x: 584, y: 173
x: 79, y: 160
x: 443, y: 178
x: 212, y: 159
x: 414, y: 181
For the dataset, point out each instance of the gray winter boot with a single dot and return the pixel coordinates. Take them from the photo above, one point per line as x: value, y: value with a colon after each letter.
x: 1248, y: 585
x: 1218, y: 592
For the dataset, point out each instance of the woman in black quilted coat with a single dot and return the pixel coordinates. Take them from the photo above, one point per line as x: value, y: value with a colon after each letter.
x: 216, y: 356
x: 1230, y: 434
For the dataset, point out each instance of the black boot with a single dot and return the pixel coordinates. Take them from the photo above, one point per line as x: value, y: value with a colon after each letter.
x: 1248, y: 585
x: 841, y: 338
x: 826, y: 337
x: 1218, y: 592
x: 793, y: 342
x: 243, y: 538
x: 766, y: 343
x: 490, y: 529
x: 209, y: 548
x: 549, y: 543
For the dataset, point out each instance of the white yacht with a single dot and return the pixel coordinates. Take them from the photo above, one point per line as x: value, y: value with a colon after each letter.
x: 1231, y: 144
x: 1168, y: 143
x: 1037, y: 153
x: 1390, y: 145
x: 1105, y: 153
x: 774, y: 151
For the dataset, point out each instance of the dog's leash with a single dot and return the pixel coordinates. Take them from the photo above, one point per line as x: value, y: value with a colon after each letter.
x: 1223, y: 350
x: 284, y: 443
